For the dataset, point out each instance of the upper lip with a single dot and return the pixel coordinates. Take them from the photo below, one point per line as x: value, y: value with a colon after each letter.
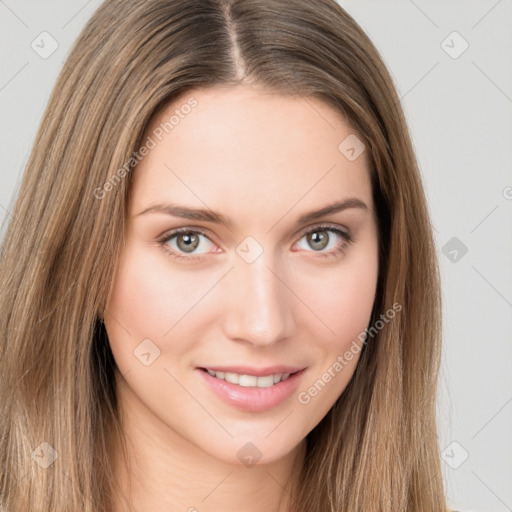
x: 257, y: 372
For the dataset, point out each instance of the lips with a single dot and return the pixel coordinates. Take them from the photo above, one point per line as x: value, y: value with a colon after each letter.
x: 242, y: 394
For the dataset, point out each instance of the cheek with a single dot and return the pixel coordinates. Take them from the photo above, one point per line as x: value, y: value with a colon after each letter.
x: 342, y: 296
x: 148, y: 298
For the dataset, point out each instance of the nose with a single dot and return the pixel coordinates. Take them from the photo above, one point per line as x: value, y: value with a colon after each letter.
x: 259, y: 305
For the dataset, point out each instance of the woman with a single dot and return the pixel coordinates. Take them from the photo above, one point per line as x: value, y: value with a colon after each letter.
x: 220, y: 288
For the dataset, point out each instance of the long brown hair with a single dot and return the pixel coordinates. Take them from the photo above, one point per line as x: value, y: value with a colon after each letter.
x: 377, y: 448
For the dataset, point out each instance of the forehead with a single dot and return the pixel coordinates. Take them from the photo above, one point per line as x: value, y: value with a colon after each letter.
x: 241, y: 149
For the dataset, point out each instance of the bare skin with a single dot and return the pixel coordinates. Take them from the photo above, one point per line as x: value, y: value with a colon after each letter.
x: 262, y: 161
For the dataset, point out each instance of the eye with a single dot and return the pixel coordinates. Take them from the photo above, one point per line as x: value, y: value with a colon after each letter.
x: 319, y: 239
x: 184, y: 241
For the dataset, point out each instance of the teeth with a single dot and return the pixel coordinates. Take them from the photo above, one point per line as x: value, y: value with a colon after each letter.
x: 250, y: 380
x: 247, y: 380
x: 264, y: 382
x: 231, y: 377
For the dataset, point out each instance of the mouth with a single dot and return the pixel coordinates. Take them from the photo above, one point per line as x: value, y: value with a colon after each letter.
x: 252, y: 390
x: 248, y: 380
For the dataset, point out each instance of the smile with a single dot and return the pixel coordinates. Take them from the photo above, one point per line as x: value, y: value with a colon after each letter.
x: 250, y: 380
x: 251, y: 393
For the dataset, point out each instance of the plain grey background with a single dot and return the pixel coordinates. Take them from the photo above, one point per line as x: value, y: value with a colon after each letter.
x: 451, y: 62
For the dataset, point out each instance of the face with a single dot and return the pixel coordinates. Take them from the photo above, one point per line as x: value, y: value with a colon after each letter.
x: 226, y: 269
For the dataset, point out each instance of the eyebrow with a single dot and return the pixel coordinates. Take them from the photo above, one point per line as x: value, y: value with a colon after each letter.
x: 208, y: 215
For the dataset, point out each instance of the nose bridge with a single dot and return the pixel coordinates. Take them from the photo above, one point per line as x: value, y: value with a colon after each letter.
x: 259, y: 305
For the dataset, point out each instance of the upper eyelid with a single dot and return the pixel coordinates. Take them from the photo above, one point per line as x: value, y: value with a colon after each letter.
x: 323, y: 225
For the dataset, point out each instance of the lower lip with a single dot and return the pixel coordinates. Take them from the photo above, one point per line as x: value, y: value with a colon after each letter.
x: 252, y: 399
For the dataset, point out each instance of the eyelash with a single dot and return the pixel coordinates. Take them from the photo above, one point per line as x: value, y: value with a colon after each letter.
x: 347, y: 240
